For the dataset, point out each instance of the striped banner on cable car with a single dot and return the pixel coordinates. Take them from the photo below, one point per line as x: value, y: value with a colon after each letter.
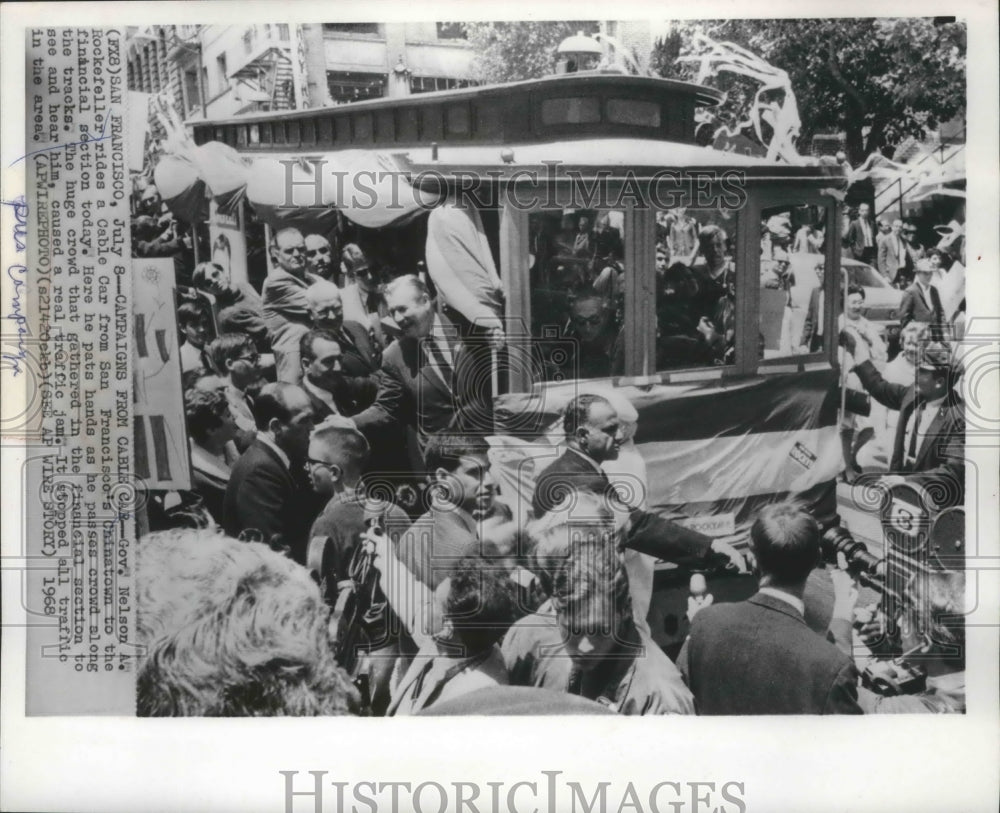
x: 715, y: 449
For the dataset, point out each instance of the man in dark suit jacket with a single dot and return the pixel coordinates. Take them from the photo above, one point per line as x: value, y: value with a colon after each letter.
x: 423, y: 380
x: 861, y: 236
x: 758, y: 656
x: 360, y: 357
x: 929, y: 447
x: 897, y: 254
x: 921, y: 302
x: 268, y: 495
x: 593, y: 435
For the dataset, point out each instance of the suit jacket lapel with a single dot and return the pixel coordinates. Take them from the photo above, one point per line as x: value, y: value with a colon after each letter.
x: 277, y: 461
x: 937, y: 430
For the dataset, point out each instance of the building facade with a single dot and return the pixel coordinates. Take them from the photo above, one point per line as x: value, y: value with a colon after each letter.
x: 217, y: 71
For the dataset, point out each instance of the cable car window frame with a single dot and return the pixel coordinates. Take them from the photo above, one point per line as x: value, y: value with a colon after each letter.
x: 788, y: 193
x: 514, y: 271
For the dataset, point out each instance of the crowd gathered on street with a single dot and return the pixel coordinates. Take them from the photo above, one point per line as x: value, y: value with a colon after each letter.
x: 346, y: 547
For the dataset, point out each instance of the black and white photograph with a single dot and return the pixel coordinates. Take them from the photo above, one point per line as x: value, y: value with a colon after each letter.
x: 506, y: 366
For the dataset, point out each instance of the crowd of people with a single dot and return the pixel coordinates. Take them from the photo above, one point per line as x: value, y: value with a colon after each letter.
x: 346, y: 509
x: 579, y: 281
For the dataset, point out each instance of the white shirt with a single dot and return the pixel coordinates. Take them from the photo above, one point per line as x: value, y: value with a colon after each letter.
x: 927, y: 416
x: 788, y: 598
x: 319, y: 392
x: 268, y: 440
x: 900, y: 252
x: 925, y: 292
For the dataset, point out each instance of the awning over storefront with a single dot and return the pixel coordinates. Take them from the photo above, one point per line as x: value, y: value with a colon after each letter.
x: 367, y: 187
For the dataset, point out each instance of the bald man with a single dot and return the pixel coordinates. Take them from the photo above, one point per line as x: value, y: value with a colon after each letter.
x: 285, y: 310
x: 359, y: 358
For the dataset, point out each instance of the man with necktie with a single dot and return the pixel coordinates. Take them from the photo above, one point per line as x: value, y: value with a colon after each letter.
x: 360, y: 359
x: 421, y: 381
x: 929, y: 447
x: 922, y: 302
x: 861, y: 236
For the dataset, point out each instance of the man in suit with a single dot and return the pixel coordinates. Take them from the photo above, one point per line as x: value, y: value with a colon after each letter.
x: 322, y: 377
x: 422, y: 379
x: 929, y: 447
x: 812, y: 329
x: 896, y: 254
x: 238, y: 363
x: 362, y: 295
x: 593, y: 435
x: 285, y: 310
x: 758, y: 656
x: 861, y: 234
x: 921, y: 302
x: 268, y: 496
x: 319, y: 256
x: 359, y: 359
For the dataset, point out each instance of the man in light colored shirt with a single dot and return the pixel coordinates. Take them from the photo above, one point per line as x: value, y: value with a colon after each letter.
x: 583, y: 640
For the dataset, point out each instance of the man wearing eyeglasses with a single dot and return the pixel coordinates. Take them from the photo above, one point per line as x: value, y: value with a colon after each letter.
x: 237, y: 360
x: 595, y: 339
x: 897, y: 253
x: 286, y: 311
x: 337, y: 456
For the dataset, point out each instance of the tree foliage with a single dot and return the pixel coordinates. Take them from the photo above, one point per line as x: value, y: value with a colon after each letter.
x: 877, y: 80
x: 512, y: 51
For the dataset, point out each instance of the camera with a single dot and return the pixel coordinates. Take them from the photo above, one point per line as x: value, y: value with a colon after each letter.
x: 892, y: 677
x: 866, y: 568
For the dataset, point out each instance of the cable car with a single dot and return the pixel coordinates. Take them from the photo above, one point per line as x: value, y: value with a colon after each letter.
x: 633, y: 260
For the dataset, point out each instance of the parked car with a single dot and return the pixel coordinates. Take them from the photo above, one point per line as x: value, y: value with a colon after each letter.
x: 882, y: 301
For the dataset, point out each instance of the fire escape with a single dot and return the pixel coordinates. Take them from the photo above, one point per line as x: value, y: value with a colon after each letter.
x: 265, y: 77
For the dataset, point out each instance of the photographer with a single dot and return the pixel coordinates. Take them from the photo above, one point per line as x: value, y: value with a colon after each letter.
x: 759, y: 656
x: 929, y: 448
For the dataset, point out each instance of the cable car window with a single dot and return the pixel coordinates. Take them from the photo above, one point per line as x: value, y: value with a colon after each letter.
x: 457, y: 118
x: 363, y: 127
x: 574, y: 110
x: 696, y: 286
x: 578, y: 284
x: 792, y: 264
x: 634, y: 112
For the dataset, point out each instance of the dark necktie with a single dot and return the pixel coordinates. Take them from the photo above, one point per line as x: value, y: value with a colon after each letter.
x: 345, y: 340
x: 437, y: 361
x: 911, y: 455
